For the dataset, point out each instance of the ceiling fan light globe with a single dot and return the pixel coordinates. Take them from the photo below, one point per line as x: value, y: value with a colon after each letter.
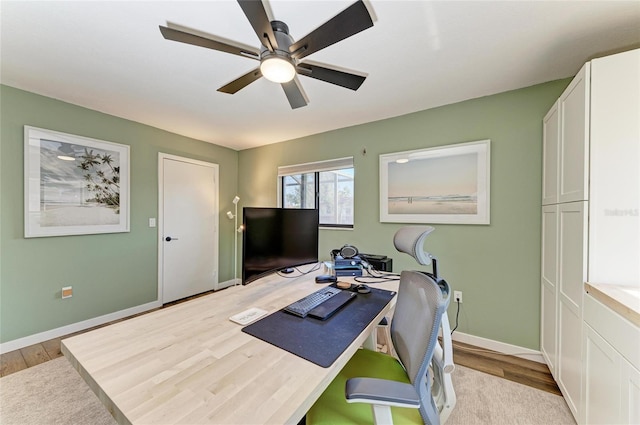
x: 277, y: 70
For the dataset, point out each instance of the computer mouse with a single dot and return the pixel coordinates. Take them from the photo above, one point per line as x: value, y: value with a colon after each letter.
x: 363, y: 289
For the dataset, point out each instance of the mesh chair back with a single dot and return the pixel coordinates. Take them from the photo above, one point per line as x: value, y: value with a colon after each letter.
x: 414, y: 331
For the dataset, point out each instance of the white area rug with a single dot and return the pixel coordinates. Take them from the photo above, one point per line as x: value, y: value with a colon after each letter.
x: 487, y: 399
x: 54, y: 393
x: 50, y: 393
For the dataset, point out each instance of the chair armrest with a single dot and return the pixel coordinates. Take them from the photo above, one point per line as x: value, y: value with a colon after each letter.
x: 443, y: 355
x: 382, y: 392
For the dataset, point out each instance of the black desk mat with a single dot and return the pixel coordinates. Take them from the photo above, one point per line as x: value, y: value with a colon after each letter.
x: 321, y: 342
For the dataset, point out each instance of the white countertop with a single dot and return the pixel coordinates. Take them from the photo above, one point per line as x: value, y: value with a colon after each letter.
x: 624, y: 300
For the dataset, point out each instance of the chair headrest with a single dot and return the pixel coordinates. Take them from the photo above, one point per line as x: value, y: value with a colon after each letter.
x: 410, y: 240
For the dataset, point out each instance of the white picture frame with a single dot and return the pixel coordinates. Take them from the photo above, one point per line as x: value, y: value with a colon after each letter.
x: 74, y: 185
x: 441, y: 185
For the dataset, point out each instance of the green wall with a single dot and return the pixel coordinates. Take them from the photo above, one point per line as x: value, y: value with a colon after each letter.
x: 108, y: 272
x: 497, y: 266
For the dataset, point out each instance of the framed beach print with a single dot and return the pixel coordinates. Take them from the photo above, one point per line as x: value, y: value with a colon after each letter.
x: 446, y: 184
x: 74, y: 185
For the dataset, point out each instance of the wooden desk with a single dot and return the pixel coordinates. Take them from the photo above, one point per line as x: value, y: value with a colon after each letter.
x: 190, y: 364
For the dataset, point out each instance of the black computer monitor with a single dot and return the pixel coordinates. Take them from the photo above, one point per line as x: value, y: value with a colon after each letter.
x: 277, y: 238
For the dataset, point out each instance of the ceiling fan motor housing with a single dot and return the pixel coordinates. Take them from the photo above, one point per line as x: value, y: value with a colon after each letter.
x: 284, y: 40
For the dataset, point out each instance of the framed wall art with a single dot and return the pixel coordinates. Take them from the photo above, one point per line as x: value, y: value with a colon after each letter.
x: 447, y: 184
x: 74, y: 185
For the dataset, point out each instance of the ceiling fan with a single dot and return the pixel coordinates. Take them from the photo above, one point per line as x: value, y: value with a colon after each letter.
x: 280, y: 55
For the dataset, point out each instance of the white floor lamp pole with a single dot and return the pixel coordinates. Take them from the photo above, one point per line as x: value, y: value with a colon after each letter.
x: 236, y: 230
x: 235, y: 242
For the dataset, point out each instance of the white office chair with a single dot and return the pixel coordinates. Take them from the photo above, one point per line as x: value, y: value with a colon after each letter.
x: 401, y: 388
x: 410, y: 240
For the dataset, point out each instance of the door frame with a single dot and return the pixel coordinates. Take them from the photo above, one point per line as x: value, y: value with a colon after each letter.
x: 161, y: 157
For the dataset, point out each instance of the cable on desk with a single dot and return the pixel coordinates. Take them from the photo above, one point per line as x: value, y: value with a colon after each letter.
x: 313, y: 269
x: 380, y: 278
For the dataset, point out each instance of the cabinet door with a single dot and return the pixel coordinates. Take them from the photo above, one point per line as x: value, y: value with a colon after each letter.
x: 614, y: 198
x: 571, y: 277
x: 550, y: 147
x: 549, y: 287
x: 572, y: 252
x: 574, y: 139
x: 630, y: 409
x: 601, y: 399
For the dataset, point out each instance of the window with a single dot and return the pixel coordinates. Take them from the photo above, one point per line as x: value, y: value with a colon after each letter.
x: 326, y: 185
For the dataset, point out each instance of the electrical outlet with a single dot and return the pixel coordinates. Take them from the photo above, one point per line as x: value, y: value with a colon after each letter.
x: 67, y: 292
x: 457, y: 296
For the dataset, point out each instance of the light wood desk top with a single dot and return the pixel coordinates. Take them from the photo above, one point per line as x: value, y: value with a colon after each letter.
x: 190, y: 364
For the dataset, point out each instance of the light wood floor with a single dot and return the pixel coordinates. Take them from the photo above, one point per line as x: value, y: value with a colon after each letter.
x: 15, y: 361
x: 515, y: 369
x: 527, y: 372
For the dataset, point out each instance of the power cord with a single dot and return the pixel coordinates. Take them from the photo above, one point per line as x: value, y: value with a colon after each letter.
x: 388, y: 277
x: 313, y: 269
x: 457, y: 300
x: 378, y: 279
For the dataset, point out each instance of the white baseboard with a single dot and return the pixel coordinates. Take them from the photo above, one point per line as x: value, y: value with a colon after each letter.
x: 226, y: 284
x: 501, y: 347
x: 26, y: 341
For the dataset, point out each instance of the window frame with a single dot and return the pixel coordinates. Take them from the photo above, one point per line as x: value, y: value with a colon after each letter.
x: 316, y: 168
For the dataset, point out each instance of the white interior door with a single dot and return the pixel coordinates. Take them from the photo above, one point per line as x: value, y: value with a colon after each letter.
x: 187, y: 227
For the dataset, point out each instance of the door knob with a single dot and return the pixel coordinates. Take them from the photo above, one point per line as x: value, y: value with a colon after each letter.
x: 169, y: 239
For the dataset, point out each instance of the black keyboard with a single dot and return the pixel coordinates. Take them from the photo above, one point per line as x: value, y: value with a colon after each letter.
x: 333, y: 304
x: 311, y: 302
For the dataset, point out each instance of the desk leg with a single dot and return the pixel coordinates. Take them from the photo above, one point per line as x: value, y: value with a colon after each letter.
x: 371, y: 343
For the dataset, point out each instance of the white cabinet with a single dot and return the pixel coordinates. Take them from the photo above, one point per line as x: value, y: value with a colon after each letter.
x: 549, y: 295
x: 564, y: 235
x: 591, y: 154
x: 551, y: 152
x: 630, y: 394
x: 614, y: 200
x: 602, y: 393
x: 573, y: 170
x: 565, y: 146
x: 572, y: 238
x: 611, y: 360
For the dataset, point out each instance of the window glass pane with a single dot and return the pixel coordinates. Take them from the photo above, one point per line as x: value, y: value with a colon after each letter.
x: 309, y: 193
x: 291, y: 192
x: 298, y: 191
x: 336, y: 197
x: 335, y: 194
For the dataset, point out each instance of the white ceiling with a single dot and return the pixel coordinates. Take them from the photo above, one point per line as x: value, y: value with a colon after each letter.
x: 110, y: 56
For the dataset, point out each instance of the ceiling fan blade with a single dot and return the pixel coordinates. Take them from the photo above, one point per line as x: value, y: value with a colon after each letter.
x: 197, y: 40
x: 241, y: 82
x: 330, y: 75
x: 257, y: 15
x: 295, y: 93
x: 350, y: 21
